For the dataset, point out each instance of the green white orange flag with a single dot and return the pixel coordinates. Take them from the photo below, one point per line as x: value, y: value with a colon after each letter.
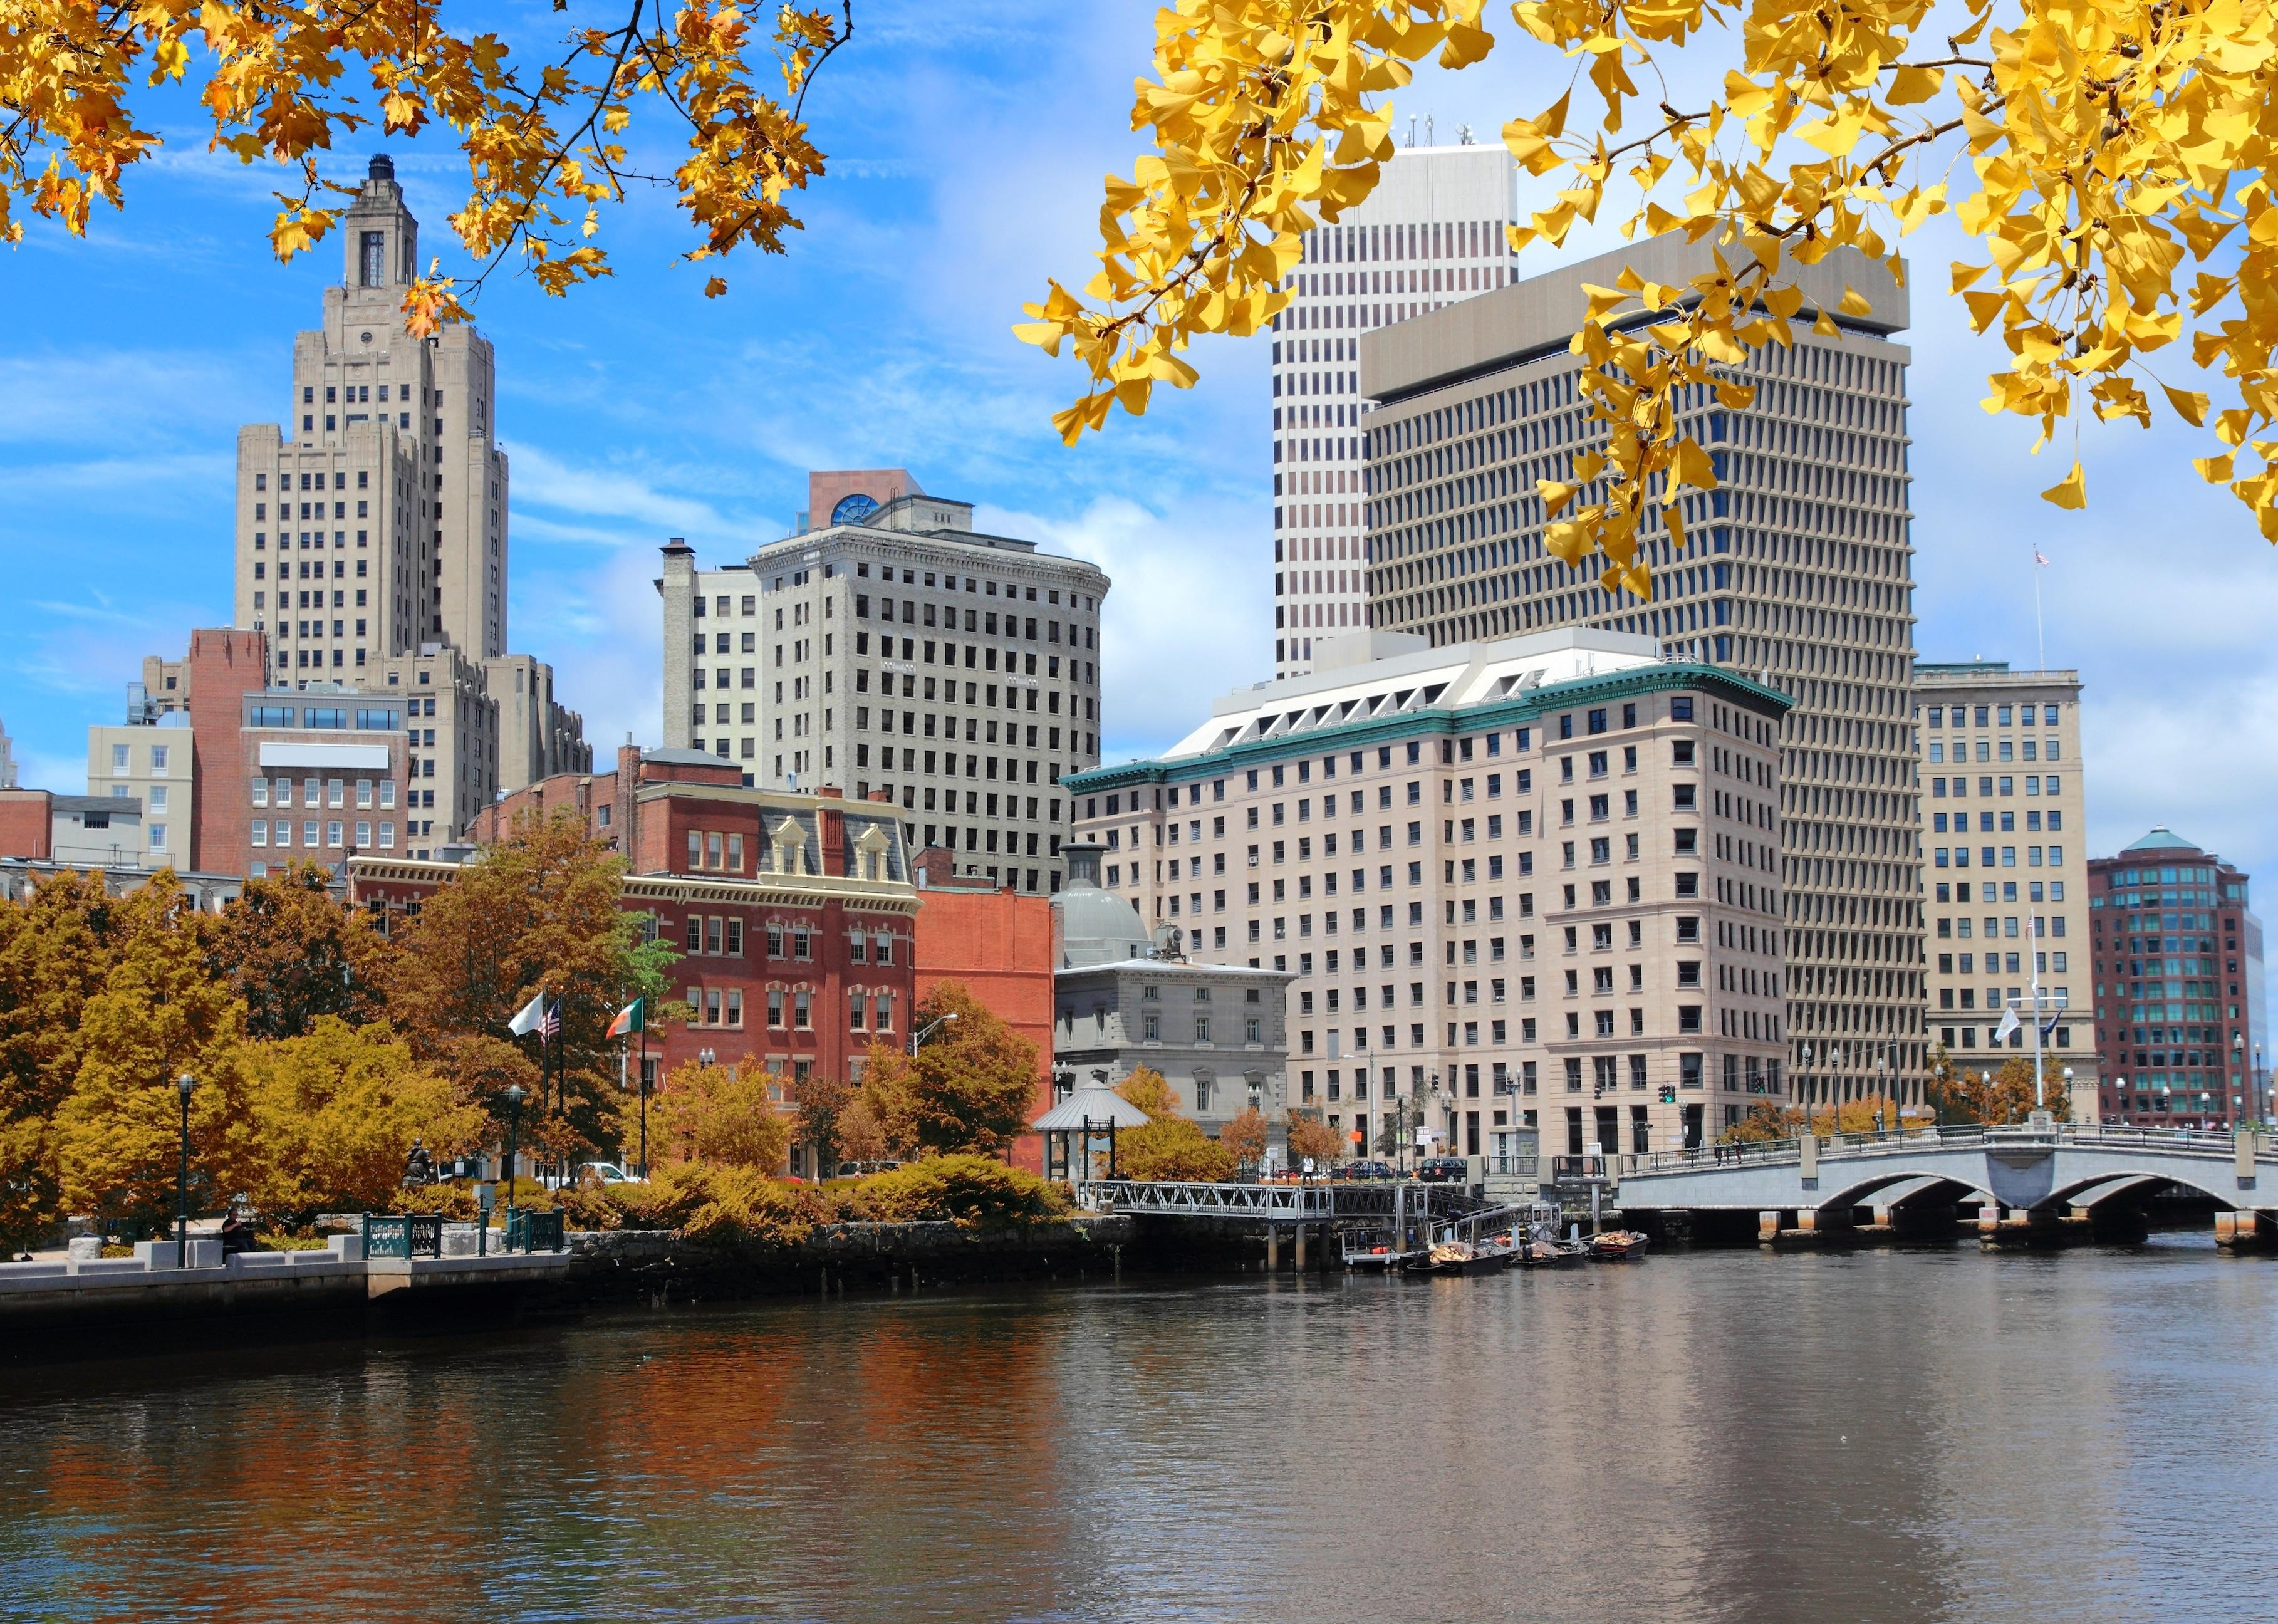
x: 630, y: 1019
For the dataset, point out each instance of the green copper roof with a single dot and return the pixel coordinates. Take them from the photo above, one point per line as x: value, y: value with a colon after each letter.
x: 2161, y: 839
x: 1529, y: 705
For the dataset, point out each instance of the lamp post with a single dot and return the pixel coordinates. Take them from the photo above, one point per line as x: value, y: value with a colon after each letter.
x: 2239, y: 1087
x: 514, y: 1098
x: 928, y: 1029
x: 706, y: 1057
x: 183, y: 1085
x: 2126, y: 1109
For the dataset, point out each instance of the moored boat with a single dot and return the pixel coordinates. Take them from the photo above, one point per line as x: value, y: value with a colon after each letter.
x: 1617, y: 1245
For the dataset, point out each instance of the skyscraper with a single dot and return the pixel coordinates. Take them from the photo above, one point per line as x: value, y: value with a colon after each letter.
x: 1799, y: 573
x: 1432, y: 233
x: 393, y: 475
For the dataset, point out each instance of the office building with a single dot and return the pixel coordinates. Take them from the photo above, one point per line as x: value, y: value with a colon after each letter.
x: 145, y: 760
x: 2004, y: 870
x: 1523, y: 882
x: 897, y: 650
x: 2178, y: 980
x: 1434, y: 231
x: 1797, y: 575
x: 376, y: 533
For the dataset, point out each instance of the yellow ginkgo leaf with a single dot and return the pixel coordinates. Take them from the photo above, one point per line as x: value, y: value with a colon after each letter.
x: 2071, y: 492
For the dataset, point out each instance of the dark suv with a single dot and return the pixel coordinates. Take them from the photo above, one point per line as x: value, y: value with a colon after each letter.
x: 1443, y: 1170
x: 1368, y: 1169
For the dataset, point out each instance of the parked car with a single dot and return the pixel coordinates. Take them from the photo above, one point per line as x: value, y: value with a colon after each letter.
x: 611, y: 1173
x: 1368, y: 1169
x: 1443, y: 1170
x: 860, y: 1170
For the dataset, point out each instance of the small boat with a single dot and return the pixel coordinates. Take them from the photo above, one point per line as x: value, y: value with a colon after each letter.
x: 1459, y: 1258
x: 1617, y: 1245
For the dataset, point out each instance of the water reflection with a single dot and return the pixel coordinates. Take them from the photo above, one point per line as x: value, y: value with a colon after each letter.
x: 1922, y: 1435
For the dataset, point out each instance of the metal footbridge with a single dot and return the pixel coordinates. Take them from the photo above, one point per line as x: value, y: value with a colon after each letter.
x: 2040, y: 1168
x: 1332, y: 1203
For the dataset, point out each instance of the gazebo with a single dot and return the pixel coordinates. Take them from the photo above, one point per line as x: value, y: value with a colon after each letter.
x: 1088, y: 1111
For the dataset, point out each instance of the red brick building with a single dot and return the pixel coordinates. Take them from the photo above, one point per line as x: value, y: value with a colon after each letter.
x: 998, y: 942
x: 795, y: 914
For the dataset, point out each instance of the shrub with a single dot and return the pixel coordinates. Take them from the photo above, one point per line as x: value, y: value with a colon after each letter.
x: 453, y: 1201
x: 971, y: 1190
x: 718, y: 1205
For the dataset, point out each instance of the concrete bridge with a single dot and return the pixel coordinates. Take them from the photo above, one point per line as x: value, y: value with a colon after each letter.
x: 2037, y: 1175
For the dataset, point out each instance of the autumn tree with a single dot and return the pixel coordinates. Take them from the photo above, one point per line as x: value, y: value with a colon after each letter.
x: 2116, y: 210
x: 1997, y: 1095
x: 1310, y: 1139
x: 539, y: 911
x: 824, y: 1103
x: 159, y: 1013
x: 1244, y: 1137
x: 545, y: 131
x: 728, y: 1115
x: 337, y: 1110
x: 1170, y: 1145
x: 971, y: 1086
x: 294, y: 953
x: 56, y: 949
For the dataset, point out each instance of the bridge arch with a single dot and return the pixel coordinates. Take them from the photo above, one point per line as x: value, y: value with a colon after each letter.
x: 1856, y: 1194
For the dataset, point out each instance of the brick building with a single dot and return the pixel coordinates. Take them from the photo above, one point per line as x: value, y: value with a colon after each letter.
x: 998, y: 942
x: 2179, y: 1025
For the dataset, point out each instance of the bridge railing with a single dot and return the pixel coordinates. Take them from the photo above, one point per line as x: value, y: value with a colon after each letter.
x: 1290, y: 1203
x: 1914, y: 1141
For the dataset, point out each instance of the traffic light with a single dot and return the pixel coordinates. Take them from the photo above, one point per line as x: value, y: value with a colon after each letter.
x: 1669, y: 1093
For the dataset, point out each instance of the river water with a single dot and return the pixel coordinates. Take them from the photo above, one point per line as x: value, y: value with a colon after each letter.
x: 1725, y: 1436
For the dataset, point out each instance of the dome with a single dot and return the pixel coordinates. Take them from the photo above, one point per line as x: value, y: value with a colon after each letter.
x: 1096, y: 926
x: 2160, y: 840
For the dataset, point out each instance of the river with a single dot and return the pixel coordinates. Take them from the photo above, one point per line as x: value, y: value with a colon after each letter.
x: 1920, y: 1435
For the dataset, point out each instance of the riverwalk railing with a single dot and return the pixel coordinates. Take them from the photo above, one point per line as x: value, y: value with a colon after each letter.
x: 405, y: 1236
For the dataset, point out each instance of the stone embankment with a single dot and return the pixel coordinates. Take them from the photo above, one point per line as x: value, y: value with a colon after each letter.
x: 85, y: 1304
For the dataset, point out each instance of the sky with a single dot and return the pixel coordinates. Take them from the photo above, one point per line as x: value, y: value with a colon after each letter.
x: 967, y: 143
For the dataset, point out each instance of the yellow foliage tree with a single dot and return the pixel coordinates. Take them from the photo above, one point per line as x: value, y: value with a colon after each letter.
x: 1170, y: 1145
x: 723, y: 1114
x: 2118, y: 206
x: 1245, y: 1137
x: 337, y: 1110
x: 1997, y: 1096
x: 160, y: 1014
x: 1310, y: 1136
x: 544, y: 137
x: 973, y: 1085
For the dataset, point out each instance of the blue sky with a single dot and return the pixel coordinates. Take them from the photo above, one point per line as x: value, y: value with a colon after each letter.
x: 967, y: 144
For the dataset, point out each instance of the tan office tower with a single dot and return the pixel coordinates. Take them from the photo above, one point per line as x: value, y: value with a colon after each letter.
x: 1432, y: 233
x: 2005, y: 815
x: 1799, y: 574
x: 894, y: 650
x: 393, y: 490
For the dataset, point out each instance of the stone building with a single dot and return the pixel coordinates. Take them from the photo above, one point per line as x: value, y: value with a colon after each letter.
x: 2005, y: 867
x: 1125, y: 998
x: 1798, y: 574
x: 1527, y: 882
x: 897, y: 651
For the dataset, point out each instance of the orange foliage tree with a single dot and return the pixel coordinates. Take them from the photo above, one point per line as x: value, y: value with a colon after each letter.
x: 971, y: 1086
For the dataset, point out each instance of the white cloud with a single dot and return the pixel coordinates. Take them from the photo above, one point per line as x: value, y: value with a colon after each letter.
x: 1185, y: 620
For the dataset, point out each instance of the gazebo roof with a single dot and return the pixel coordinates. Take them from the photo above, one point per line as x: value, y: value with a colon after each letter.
x: 1094, y: 1103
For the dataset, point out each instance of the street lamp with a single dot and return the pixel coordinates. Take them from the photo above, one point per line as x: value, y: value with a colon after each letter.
x: 2238, y: 1058
x: 706, y: 1057
x: 183, y: 1085
x: 927, y: 1031
x: 514, y: 1098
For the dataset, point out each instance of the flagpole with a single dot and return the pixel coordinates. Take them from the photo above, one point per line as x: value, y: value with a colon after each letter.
x: 644, y: 1094
x: 2040, y: 638
x: 2040, y: 1102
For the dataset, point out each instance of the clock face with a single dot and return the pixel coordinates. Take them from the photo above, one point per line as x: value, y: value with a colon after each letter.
x: 854, y: 510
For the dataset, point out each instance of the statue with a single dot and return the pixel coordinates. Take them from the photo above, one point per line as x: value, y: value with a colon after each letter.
x: 417, y: 1169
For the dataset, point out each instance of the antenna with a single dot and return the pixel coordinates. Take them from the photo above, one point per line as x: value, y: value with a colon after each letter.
x: 1411, y: 129
x: 1427, y: 129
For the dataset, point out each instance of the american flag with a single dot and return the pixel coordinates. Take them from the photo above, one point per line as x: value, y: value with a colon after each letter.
x: 2038, y: 559
x: 552, y: 1027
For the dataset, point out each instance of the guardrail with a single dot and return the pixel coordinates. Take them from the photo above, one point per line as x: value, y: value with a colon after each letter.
x: 527, y: 1230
